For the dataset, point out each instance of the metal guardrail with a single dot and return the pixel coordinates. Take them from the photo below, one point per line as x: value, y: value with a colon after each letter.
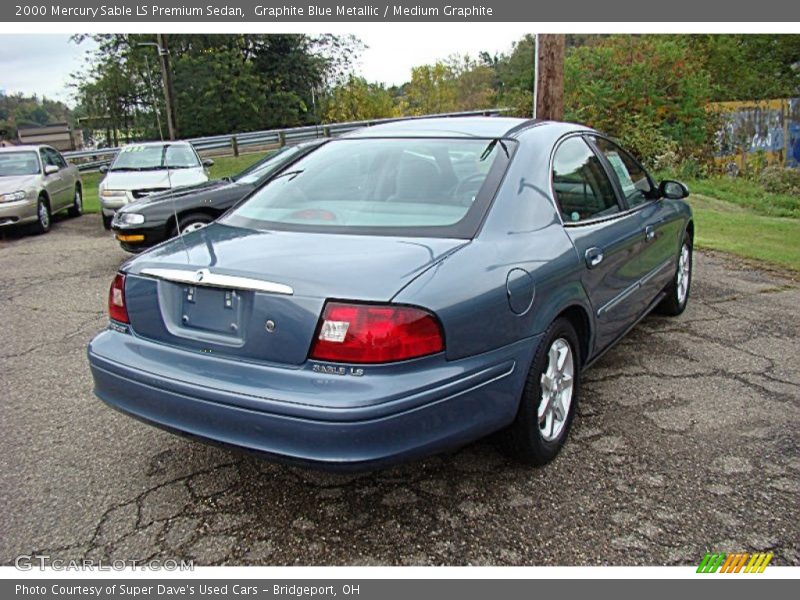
x: 91, y: 160
x: 277, y: 137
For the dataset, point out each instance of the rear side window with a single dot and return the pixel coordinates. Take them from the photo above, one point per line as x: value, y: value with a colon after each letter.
x: 633, y: 179
x: 582, y: 188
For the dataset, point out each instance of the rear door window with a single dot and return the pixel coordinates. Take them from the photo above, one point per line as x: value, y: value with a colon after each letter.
x: 633, y: 180
x: 581, y: 185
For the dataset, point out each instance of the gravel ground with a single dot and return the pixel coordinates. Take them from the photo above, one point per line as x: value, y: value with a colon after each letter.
x: 686, y: 440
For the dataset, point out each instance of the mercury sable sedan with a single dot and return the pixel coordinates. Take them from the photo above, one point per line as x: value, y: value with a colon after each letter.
x: 398, y: 292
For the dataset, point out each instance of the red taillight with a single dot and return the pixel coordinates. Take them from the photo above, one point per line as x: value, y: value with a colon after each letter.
x: 116, y: 300
x: 367, y: 333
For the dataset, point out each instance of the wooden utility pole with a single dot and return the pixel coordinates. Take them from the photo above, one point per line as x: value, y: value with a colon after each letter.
x: 549, y: 87
x: 169, y: 90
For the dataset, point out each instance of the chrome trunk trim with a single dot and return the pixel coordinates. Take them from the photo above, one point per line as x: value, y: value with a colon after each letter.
x: 204, y: 277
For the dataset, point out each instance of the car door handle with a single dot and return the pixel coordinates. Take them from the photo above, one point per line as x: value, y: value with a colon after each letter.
x: 594, y: 256
x: 649, y: 233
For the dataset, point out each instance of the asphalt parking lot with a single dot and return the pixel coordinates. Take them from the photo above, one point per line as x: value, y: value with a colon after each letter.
x: 687, y: 440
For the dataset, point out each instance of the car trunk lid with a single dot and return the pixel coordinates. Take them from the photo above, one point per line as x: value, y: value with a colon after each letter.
x: 259, y: 296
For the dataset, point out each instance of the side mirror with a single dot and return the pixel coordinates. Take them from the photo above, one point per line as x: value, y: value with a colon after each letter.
x: 673, y: 190
x: 208, y: 162
x: 50, y: 169
x: 103, y: 168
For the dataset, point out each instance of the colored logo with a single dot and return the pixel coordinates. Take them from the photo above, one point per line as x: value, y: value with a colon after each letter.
x: 734, y: 563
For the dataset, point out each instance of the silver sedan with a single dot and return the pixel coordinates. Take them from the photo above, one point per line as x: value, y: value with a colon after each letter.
x: 35, y: 183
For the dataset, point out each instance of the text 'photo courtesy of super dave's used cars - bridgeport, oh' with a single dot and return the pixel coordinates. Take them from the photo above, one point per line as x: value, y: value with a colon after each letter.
x: 400, y: 291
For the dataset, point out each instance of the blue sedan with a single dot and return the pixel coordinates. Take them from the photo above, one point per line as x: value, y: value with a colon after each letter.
x: 398, y: 292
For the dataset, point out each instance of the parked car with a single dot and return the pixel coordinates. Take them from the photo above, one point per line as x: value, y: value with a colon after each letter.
x: 153, y: 219
x: 35, y: 183
x: 139, y: 170
x: 400, y: 291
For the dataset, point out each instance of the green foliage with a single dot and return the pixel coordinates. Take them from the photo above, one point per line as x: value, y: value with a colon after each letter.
x: 432, y: 89
x: 622, y: 81
x: 358, y: 100
x: 749, y: 67
x: 458, y: 84
x: 778, y: 180
x: 223, y: 83
x: 201, y: 107
x: 18, y: 109
x: 646, y: 140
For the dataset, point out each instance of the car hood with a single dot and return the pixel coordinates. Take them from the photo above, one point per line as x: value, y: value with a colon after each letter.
x: 138, y: 180
x: 177, y: 194
x: 317, y: 265
x: 16, y: 183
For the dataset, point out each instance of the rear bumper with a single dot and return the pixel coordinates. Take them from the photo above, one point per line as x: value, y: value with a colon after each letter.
x: 437, y: 406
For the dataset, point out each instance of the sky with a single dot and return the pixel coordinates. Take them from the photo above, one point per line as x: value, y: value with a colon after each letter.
x: 42, y: 64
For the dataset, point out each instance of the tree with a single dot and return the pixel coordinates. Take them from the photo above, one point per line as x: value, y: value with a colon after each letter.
x: 358, y: 100
x: 245, y: 81
x: 750, y: 67
x: 19, y: 109
x: 621, y: 82
x: 457, y: 84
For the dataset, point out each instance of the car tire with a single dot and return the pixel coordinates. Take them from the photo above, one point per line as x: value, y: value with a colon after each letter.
x: 76, y: 210
x: 43, y: 216
x: 549, y: 399
x: 679, y: 288
x: 107, y: 222
x: 193, y: 222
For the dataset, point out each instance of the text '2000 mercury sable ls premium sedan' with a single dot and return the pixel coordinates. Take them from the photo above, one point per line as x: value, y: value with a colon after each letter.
x: 400, y: 291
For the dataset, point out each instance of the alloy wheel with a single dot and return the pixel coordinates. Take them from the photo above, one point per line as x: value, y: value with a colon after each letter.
x: 683, y: 275
x: 556, y: 385
x: 44, y: 215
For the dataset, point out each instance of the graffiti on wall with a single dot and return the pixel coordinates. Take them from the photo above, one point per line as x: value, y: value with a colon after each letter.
x: 768, y: 127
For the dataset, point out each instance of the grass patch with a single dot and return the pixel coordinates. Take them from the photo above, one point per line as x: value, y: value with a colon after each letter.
x: 730, y: 227
x: 224, y: 166
x: 748, y: 194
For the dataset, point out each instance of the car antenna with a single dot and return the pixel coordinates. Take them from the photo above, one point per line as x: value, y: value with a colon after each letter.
x: 172, y: 198
x: 316, y: 113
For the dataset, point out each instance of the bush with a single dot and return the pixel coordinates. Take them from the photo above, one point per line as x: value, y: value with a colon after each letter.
x: 777, y: 180
x: 644, y: 138
x: 657, y: 83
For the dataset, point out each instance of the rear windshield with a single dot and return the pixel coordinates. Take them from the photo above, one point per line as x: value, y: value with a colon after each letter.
x: 18, y: 163
x: 438, y: 187
x: 138, y: 157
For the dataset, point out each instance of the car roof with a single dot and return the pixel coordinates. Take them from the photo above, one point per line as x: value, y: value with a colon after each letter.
x: 25, y: 147
x: 483, y: 127
x: 157, y: 143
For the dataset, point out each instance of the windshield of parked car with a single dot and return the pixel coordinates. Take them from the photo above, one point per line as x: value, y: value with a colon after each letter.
x: 140, y: 157
x: 13, y: 164
x: 382, y: 186
x: 255, y: 173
